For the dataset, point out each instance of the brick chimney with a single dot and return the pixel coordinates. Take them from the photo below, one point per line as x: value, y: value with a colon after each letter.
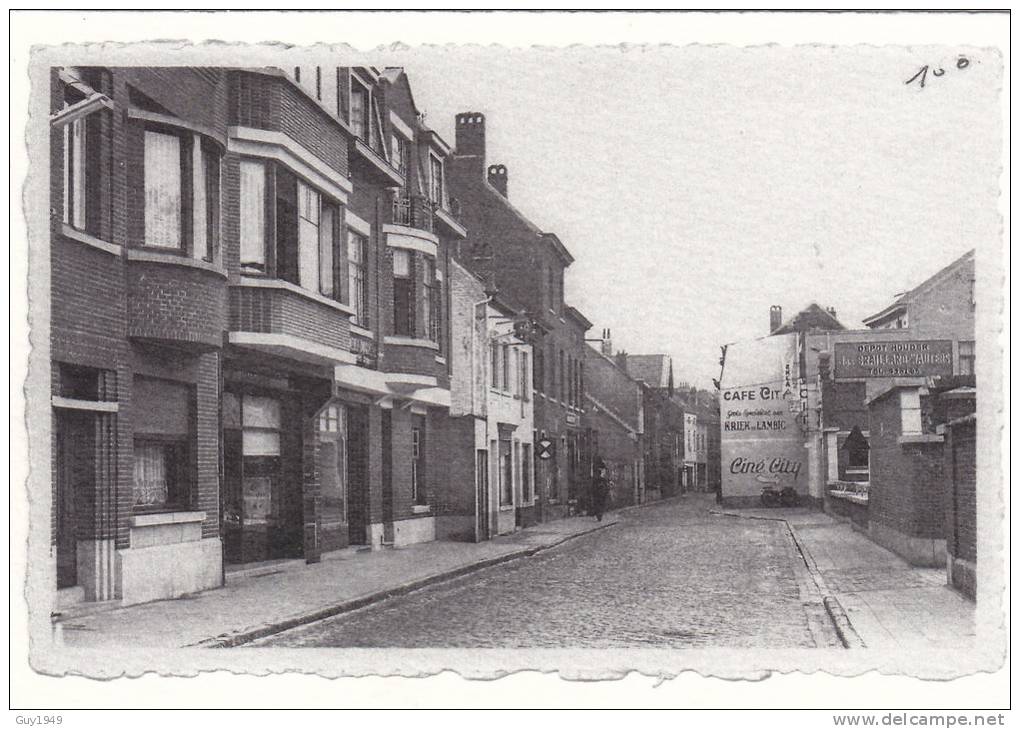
x: 832, y: 311
x: 775, y: 317
x: 497, y: 178
x: 621, y: 360
x: 607, y: 343
x: 470, y: 134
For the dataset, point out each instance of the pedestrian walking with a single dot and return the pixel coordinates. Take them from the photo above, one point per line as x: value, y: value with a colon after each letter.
x: 599, y: 488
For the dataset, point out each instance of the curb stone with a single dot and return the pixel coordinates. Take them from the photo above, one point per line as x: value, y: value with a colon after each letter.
x: 837, y: 615
x: 233, y: 640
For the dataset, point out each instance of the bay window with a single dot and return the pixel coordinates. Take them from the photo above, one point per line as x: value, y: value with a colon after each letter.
x: 163, y: 177
x: 182, y: 193
x: 307, y: 229
x: 357, y: 277
x: 74, y: 172
x: 403, y: 294
x: 433, y: 301
x: 253, y: 215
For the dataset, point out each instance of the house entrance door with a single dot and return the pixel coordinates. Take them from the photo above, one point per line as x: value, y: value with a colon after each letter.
x: 76, y: 482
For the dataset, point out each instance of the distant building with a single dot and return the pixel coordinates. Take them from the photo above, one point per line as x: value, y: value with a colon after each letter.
x: 526, y: 266
x: 862, y: 421
x: 663, y: 431
x: 615, y: 410
x: 489, y: 474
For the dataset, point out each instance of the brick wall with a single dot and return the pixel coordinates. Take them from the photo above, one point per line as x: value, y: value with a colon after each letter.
x: 906, y: 492
x: 176, y: 303
x: 279, y: 311
x: 961, y: 505
x: 274, y: 103
x: 452, y: 486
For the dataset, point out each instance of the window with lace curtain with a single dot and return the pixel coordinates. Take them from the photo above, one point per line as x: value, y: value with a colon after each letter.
x: 164, y: 434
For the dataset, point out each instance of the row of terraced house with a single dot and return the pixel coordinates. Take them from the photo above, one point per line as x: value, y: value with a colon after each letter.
x: 289, y: 319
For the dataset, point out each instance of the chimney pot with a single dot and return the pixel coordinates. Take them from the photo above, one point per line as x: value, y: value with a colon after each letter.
x: 775, y: 317
x: 607, y: 343
x: 498, y: 178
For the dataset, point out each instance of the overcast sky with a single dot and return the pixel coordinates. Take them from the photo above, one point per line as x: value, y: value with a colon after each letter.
x: 697, y: 186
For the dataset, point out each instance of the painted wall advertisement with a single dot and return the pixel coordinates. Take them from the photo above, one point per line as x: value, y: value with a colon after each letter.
x: 763, y: 404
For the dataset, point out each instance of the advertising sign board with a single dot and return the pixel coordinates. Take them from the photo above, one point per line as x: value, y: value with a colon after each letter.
x: 929, y: 358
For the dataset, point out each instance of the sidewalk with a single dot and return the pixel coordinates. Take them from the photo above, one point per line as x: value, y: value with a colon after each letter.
x: 250, y: 607
x: 889, y: 603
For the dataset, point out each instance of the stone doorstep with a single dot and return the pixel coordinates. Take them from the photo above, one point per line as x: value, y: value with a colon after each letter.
x: 247, y: 635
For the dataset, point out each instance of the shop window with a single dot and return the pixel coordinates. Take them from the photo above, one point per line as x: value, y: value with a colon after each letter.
x: 403, y: 294
x: 357, y: 277
x: 163, y: 469
x: 966, y: 358
x: 332, y: 459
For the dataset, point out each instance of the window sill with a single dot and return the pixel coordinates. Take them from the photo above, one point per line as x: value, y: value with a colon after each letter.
x: 276, y: 283
x: 421, y: 509
x: 173, y: 259
x: 362, y: 332
x: 90, y: 240
x: 506, y: 507
x: 167, y: 517
x: 410, y: 342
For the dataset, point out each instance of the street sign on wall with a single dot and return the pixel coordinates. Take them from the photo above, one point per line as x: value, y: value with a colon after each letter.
x: 899, y: 358
x: 544, y: 449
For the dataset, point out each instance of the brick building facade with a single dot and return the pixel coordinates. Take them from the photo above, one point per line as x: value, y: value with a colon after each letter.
x: 526, y: 266
x: 249, y: 329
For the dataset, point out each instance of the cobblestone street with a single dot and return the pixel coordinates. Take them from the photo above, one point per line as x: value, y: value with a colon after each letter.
x: 668, y: 575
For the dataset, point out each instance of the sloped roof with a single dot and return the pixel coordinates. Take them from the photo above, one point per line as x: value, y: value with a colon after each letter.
x: 812, y: 318
x: 906, y: 298
x: 651, y: 369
